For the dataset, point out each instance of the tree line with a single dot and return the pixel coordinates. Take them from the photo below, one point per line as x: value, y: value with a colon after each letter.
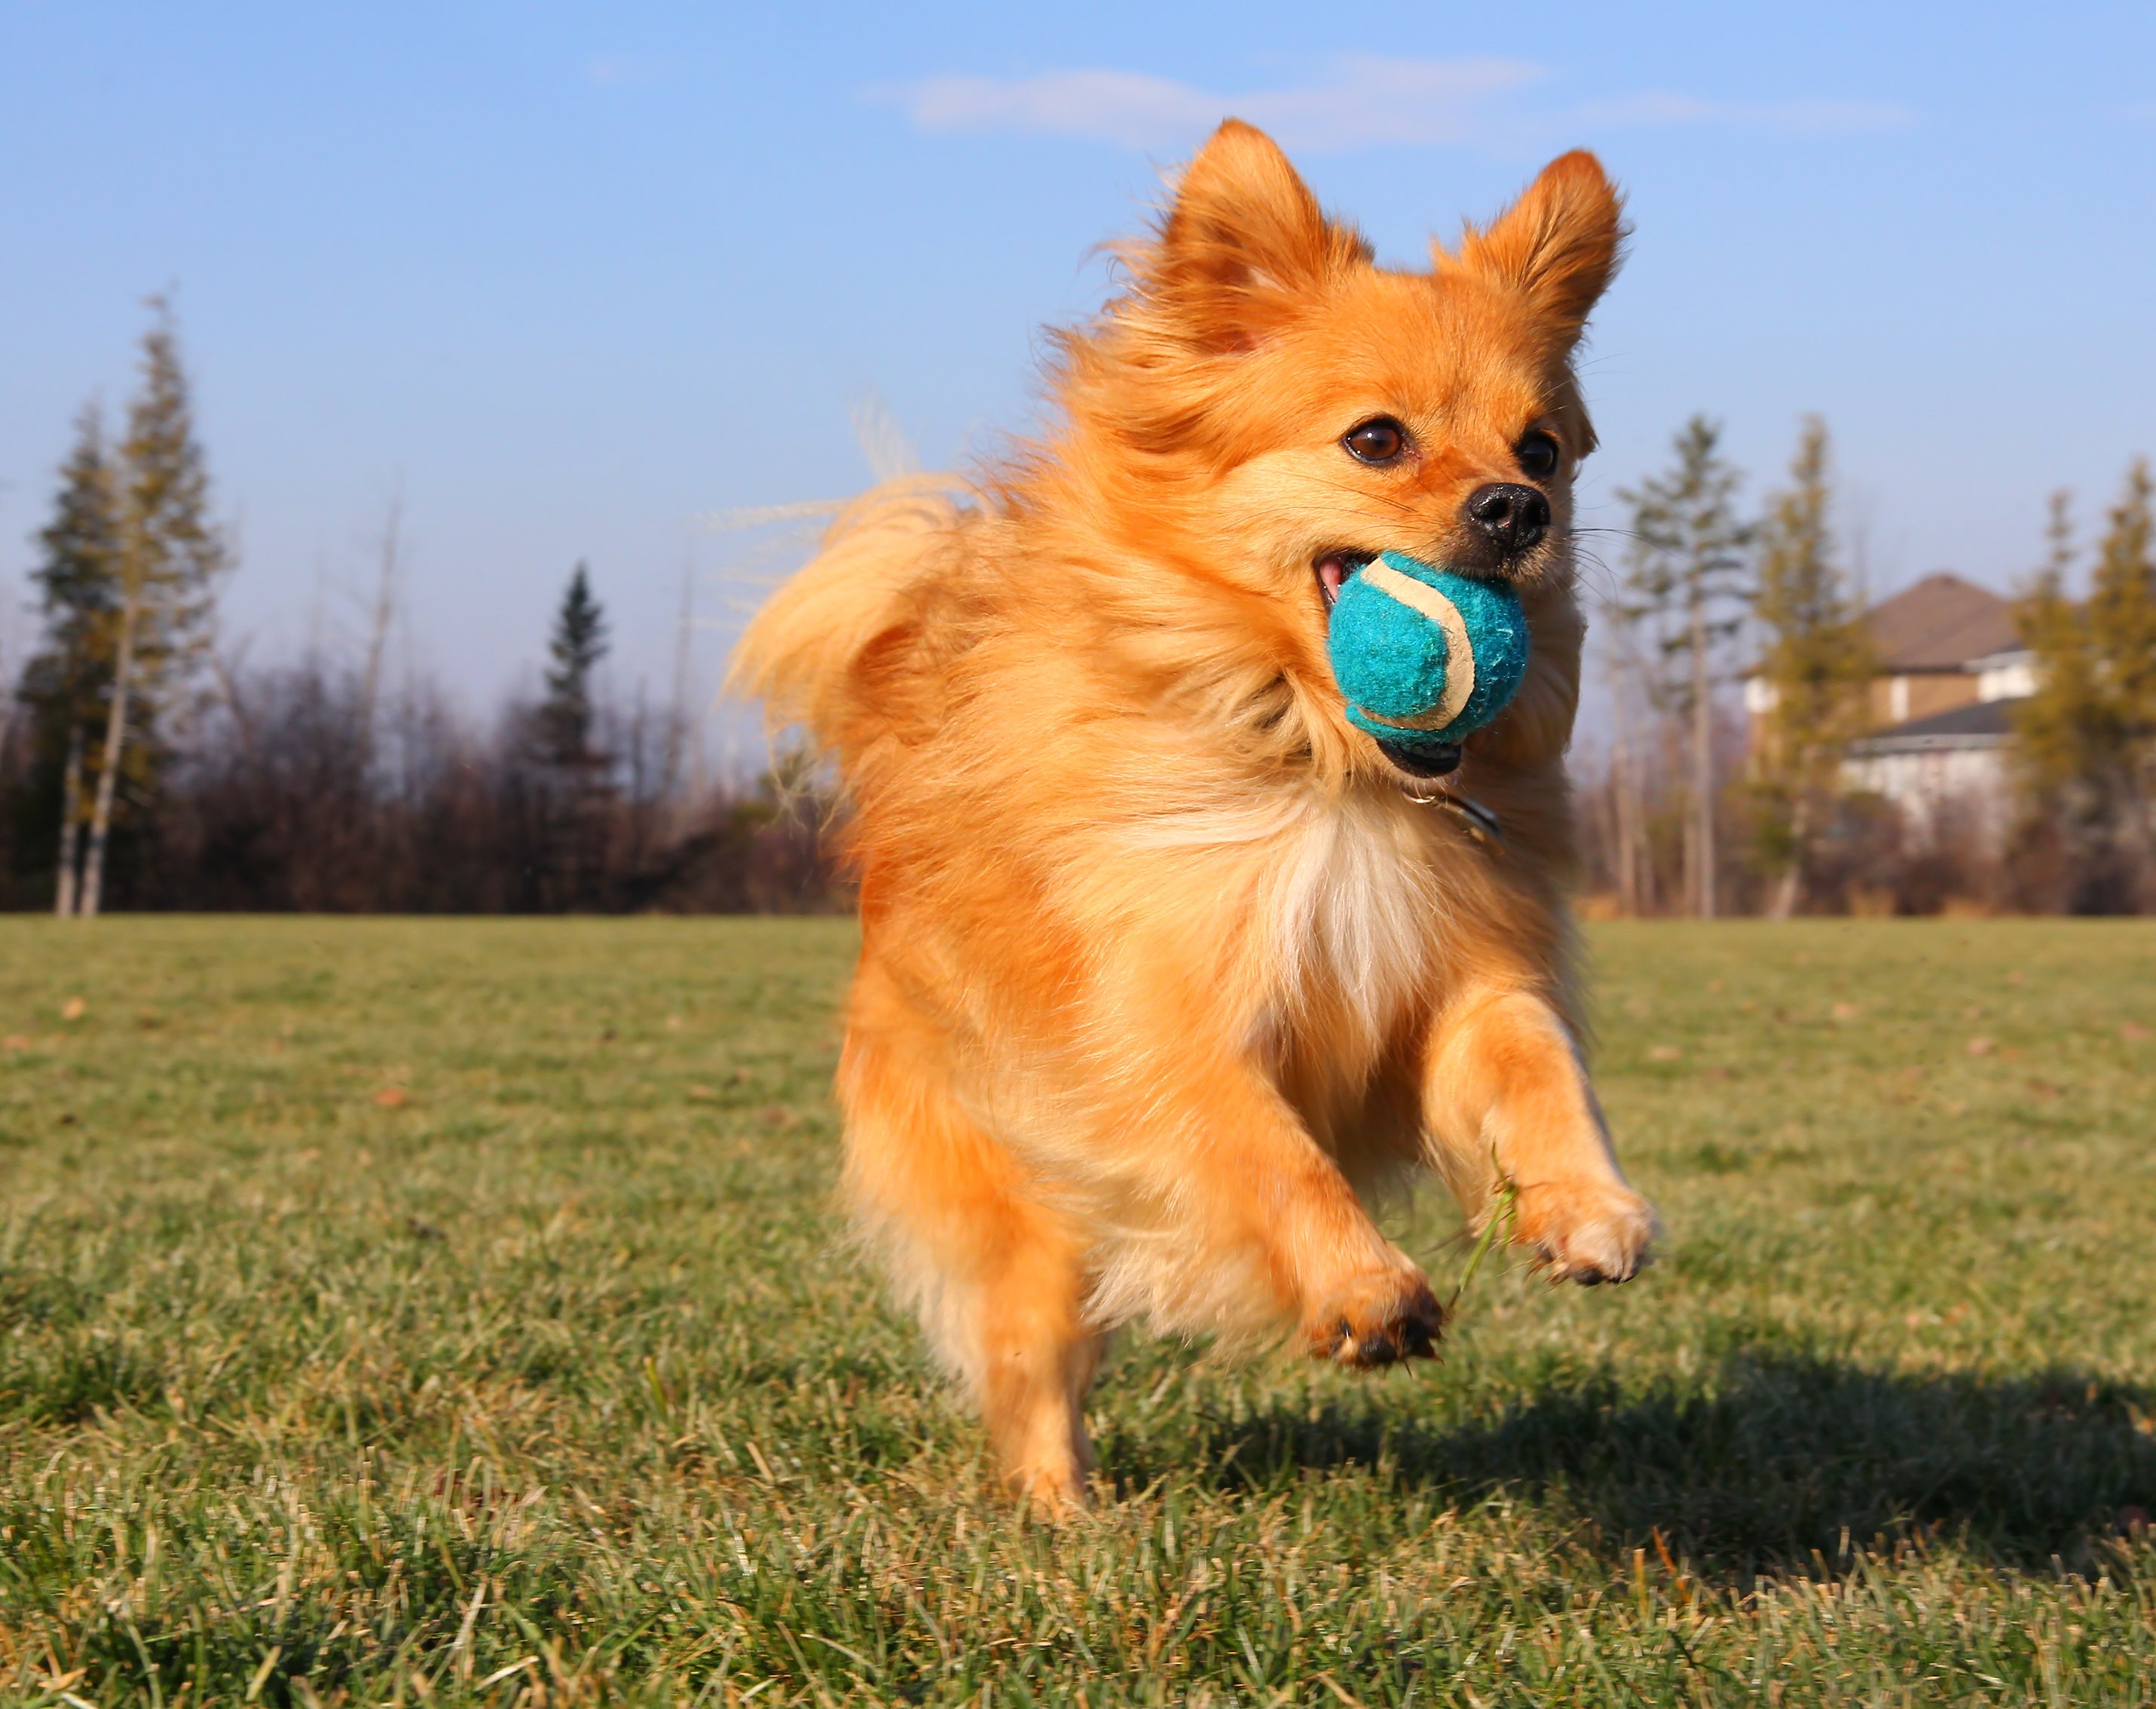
x: 142, y: 764
x: 1692, y: 808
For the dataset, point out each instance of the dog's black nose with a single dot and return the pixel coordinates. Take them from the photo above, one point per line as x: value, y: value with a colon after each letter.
x: 1513, y: 516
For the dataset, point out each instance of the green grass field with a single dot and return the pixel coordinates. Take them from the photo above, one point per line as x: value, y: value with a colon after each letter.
x: 452, y: 1312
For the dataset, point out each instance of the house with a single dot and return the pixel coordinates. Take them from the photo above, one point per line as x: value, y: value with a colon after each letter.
x: 1949, y: 666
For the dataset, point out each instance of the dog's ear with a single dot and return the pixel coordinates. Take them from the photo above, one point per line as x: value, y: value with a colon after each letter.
x: 1559, y: 244
x: 1242, y: 242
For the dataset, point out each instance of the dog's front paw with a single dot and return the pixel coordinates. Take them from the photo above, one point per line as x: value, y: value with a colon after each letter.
x: 1375, y: 1319
x: 1585, y: 1230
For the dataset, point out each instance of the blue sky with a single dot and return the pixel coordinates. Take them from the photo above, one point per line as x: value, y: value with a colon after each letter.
x: 573, y: 274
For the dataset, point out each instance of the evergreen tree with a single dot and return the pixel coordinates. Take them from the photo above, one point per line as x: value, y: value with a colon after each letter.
x: 1817, y: 665
x: 1689, y: 585
x: 570, y: 791
x: 2123, y: 614
x: 578, y: 644
x: 2088, y: 733
x: 169, y: 555
x: 69, y: 681
x: 2057, y: 722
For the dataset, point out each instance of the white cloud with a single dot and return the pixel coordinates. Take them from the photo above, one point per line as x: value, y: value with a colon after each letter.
x: 1356, y: 102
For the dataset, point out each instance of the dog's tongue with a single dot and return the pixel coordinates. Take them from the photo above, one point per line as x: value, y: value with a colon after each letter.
x: 1332, y: 575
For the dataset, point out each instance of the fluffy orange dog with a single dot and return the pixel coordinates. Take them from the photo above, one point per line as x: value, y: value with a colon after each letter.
x: 1164, y: 963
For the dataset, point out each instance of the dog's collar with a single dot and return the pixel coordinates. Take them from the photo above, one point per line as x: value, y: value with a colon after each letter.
x: 1482, y: 824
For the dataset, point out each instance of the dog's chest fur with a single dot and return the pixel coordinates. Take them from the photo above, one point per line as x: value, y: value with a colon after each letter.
x: 1351, y: 909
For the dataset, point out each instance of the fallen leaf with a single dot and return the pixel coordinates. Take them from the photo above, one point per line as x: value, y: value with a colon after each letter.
x: 776, y: 1115
x: 1845, y: 1011
x: 1663, y: 1052
x: 701, y: 1092
x: 18, y: 1041
x: 392, y: 1097
x: 2133, y: 1032
x: 1980, y: 1046
x: 73, y: 1008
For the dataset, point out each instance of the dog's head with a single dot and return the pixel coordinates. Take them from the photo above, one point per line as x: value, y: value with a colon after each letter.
x: 1274, y: 410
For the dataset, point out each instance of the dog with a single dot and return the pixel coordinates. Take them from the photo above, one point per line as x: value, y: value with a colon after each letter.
x: 1165, y: 965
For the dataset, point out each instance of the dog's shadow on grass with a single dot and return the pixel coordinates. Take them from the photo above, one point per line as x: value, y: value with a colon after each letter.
x: 1773, y: 1465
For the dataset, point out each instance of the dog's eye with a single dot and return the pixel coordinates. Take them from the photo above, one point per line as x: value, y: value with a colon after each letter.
x: 1538, y: 455
x: 1380, y: 440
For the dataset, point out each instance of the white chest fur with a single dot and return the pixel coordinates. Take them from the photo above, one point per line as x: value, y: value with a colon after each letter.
x: 1348, y: 920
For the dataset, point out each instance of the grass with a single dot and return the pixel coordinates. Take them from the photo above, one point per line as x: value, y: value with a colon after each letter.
x: 450, y: 1312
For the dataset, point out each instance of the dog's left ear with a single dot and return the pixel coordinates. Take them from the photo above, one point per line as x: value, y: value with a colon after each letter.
x: 1559, y: 244
x: 1243, y: 240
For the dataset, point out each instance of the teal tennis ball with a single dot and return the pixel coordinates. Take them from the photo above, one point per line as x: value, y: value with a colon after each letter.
x: 1424, y: 657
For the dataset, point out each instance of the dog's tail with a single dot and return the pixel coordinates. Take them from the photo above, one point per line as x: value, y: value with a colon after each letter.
x: 802, y: 654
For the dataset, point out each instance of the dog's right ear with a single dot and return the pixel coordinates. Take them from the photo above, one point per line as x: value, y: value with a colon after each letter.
x: 1243, y: 240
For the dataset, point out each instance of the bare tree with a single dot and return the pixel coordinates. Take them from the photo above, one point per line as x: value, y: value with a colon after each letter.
x: 1635, y: 871
x: 681, y: 748
x: 382, y: 613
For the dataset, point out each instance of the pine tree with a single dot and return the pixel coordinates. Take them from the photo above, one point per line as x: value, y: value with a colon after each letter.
x: 1816, y: 666
x: 69, y: 681
x: 2123, y: 614
x: 2088, y: 733
x: 579, y: 641
x: 169, y: 554
x: 2055, y: 724
x: 573, y: 785
x: 1689, y: 584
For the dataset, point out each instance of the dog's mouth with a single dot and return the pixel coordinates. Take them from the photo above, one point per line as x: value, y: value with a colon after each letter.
x: 1332, y: 571
x: 1334, y: 568
x: 1438, y: 762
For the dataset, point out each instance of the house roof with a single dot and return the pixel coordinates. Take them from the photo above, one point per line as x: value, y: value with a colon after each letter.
x: 1979, y: 724
x: 1939, y: 623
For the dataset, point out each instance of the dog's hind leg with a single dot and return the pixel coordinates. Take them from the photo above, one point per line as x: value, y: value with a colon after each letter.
x: 999, y: 1277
